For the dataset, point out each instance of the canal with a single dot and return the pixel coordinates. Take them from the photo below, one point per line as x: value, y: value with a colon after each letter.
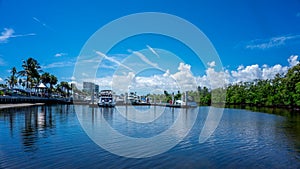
x: 59, y: 136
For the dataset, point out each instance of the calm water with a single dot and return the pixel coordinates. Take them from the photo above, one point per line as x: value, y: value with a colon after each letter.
x: 52, y: 137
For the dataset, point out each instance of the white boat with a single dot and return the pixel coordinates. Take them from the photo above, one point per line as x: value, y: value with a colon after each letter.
x: 106, y: 99
x: 132, y: 98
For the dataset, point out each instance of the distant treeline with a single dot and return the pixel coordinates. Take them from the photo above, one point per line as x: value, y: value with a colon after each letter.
x: 283, y: 90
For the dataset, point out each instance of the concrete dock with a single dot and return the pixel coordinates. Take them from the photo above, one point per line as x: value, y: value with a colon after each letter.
x: 32, y: 99
x: 4, y: 106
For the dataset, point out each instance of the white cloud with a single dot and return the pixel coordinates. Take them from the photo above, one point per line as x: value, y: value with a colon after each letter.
x: 60, y: 54
x: 106, y: 66
x: 123, y: 82
x: 248, y: 73
x: 167, y: 73
x: 152, y: 50
x: 217, y: 79
x: 1, y: 80
x: 241, y: 67
x: 293, y: 60
x: 252, y: 72
x: 6, y: 34
x: 270, y: 72
x: 145, y: 59
x: 58, y: 64
x: 181, y: 80
x: 156, y: 83
x: 9, y: 33
x: 113, y: 60
x: 184, y: 79
x: 271, y: 42
x: 184, y: 67
x: 211, y: 64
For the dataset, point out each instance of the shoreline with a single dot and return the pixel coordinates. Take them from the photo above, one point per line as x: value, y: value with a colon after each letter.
x: 32, y: 99
x: 5, y: 106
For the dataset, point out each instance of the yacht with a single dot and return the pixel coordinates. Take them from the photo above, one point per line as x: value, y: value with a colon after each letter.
x: 132, y: 98
x: 106, y: 99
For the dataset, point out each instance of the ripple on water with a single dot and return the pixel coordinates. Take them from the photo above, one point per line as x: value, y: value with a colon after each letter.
x: 51, y: 137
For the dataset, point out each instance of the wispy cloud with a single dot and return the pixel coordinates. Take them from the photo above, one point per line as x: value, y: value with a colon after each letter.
x: 60, y: 54
x: 105, y: 66
x: 113, y: 60
x: 152, y: 50
x: 271, y: 42
x: 144, y: 58
x: 42, y: 23
x: 6, y: 34
x: 9, y: 33
x: 2, y: 62
x: 58, y: 64
x: 36, y: 19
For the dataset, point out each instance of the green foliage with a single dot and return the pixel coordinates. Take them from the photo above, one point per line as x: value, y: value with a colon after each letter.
x: 31, y: 71
x: 12, y: 80
x: 296, y: 95
x: 47, y: 78
x: 283, y: 90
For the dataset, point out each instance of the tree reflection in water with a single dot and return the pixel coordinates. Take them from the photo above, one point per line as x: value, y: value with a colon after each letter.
x: 36, y: 122
x: 291, y: 124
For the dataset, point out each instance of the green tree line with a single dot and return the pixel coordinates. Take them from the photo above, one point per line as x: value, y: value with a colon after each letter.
x: 282, y: 90
x: 32, y: 75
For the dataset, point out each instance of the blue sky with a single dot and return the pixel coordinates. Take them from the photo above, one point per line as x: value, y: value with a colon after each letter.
x: 244, y: 33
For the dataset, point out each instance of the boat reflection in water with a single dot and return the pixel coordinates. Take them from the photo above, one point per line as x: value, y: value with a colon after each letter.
x: 137, y: 131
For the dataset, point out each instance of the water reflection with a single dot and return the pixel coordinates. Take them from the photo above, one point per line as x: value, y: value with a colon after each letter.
x: 291, y: 123
x: 33, y: 123
x: 52, y: 137
x: 141, y: 114
x: 107, y: 113
x: 107, y: 128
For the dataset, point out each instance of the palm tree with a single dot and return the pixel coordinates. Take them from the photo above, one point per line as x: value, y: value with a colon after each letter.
x: 12, y: 80
x: 31, y: 71
x: 45, y: 78
x: 53, y: 81
x: 66, y: 87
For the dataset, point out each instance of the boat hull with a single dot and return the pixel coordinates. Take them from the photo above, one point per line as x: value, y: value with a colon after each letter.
x: 106, y: 104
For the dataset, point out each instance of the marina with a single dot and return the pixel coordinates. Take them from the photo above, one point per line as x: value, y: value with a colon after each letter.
x: 149, y: 84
